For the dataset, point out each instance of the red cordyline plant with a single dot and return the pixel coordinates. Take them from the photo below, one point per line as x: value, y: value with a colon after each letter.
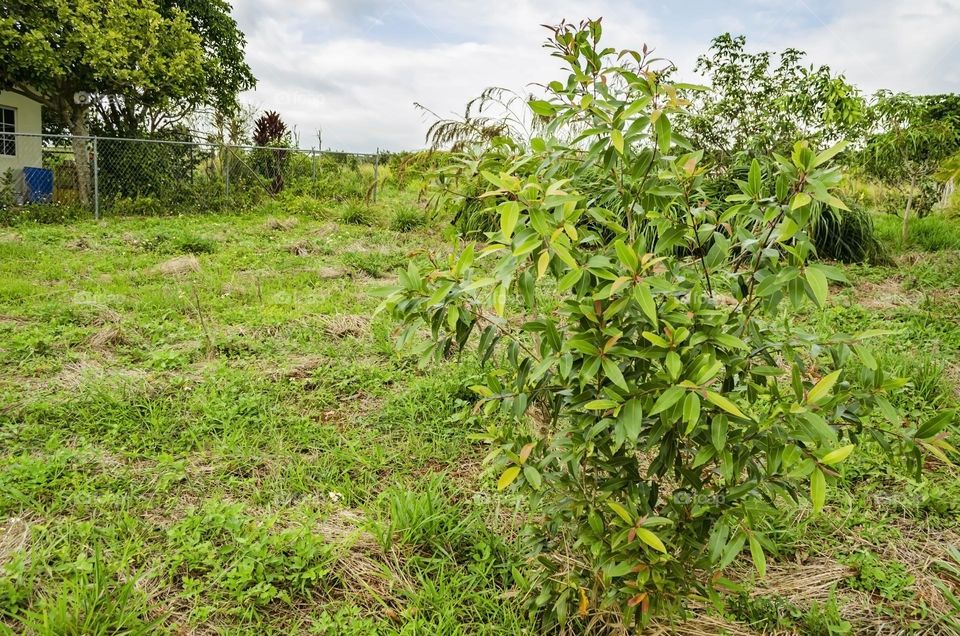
x: 645, y: 386
x: 271, y: 133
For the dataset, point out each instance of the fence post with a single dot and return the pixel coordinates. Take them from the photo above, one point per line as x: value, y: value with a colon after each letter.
x: 96, y: 181
x: 313, y: 153
x: 376, y: 174
x: 226, y: 170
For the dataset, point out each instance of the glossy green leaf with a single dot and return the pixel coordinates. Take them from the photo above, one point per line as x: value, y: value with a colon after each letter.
x: 508, y: 477
x: 651, y: 539
x: 821, y: 390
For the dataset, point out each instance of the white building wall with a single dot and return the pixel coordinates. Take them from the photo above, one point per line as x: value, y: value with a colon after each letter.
x: 28, y: 120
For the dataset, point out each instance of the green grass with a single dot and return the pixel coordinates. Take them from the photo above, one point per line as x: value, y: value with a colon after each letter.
x: 932, y: 233
x: 203, y: 428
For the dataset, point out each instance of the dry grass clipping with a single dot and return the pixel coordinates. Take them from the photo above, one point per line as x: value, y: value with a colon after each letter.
x: 920, y: 550
x: 281, y: 225
x: 330, y: 273
x: 78, y: 244
x: 802, y: 584
x: 178, y: 265
x: 328, y: 228
x: 301, y: 368
x: 108, y: 337
x: 344, y: 325
x: 886, y: 295
x: 300, y: 248
x: 14, y: 539
x: 700, y: 625
x: 367, y: 572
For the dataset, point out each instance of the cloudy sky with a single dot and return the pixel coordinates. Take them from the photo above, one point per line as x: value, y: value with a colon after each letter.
x: 354, y: 68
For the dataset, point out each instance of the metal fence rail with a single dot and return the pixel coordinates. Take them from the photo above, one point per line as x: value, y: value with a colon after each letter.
x: 110, y: 175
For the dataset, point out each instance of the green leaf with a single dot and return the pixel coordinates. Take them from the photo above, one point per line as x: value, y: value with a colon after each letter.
x: 866, y: 356
x: 612, y: 371
x: 838, y: 455
x: 645, y: 299
x: 725, y: 404
x: 934, y: 425
x: 465, y: 260
x: 618, y: 569
x: 705, y: 454
x: 509, y: 214
x: 508, y: 477
x: 651, y: 539
x: 822, y: 389
x: 500, y: 299
x: 621, y: 511
x: 664, y: 138
x: 718, y: 432
x: 818, y: 490
x: 616, y: 138
x: 888, y: 411
x: 542, y: 108
x: 631, y: 416
x: 656, y: 339
x: 532, y: 475
x: 569, y: 279
x: 818, y: 285
x: 691, y: 411
x: 628, y: 257
x: 754, y: 178
x: 759, y: 560
x: 732, y: 550
x: 830, y: 153
x: 667, y: 399
x: 600, y: 405
x: 800, y: 199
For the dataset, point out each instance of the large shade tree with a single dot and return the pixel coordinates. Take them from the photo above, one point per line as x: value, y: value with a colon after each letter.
x: 225, y: 75
x: 58, y: 51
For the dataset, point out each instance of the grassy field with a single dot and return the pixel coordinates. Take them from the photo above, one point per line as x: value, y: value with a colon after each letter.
x: 203, y: 429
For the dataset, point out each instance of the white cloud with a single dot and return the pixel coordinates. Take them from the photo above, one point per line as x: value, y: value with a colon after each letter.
x: 355, y: 67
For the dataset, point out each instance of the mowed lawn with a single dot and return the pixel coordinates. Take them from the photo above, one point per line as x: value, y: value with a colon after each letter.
x: 205, y: 429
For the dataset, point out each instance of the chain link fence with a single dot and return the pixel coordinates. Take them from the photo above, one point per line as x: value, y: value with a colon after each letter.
x: 105, y: 176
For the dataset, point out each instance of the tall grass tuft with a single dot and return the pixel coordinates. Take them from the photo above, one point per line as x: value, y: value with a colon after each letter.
x: 848, y: 236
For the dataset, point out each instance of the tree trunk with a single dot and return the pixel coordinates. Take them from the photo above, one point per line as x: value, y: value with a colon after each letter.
x: 905, y: 230
x: 81, y: 132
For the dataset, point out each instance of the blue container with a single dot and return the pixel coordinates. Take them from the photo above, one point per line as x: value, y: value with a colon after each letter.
x: 39, y: 182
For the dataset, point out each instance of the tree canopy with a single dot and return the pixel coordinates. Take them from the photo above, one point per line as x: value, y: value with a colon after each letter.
x: 139, y: 57
x: 763, y: 102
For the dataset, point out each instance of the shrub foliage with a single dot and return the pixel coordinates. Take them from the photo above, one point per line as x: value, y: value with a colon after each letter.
x: 646, y: 390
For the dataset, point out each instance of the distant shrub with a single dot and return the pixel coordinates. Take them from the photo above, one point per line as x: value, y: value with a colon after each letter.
x: 138, y: 206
